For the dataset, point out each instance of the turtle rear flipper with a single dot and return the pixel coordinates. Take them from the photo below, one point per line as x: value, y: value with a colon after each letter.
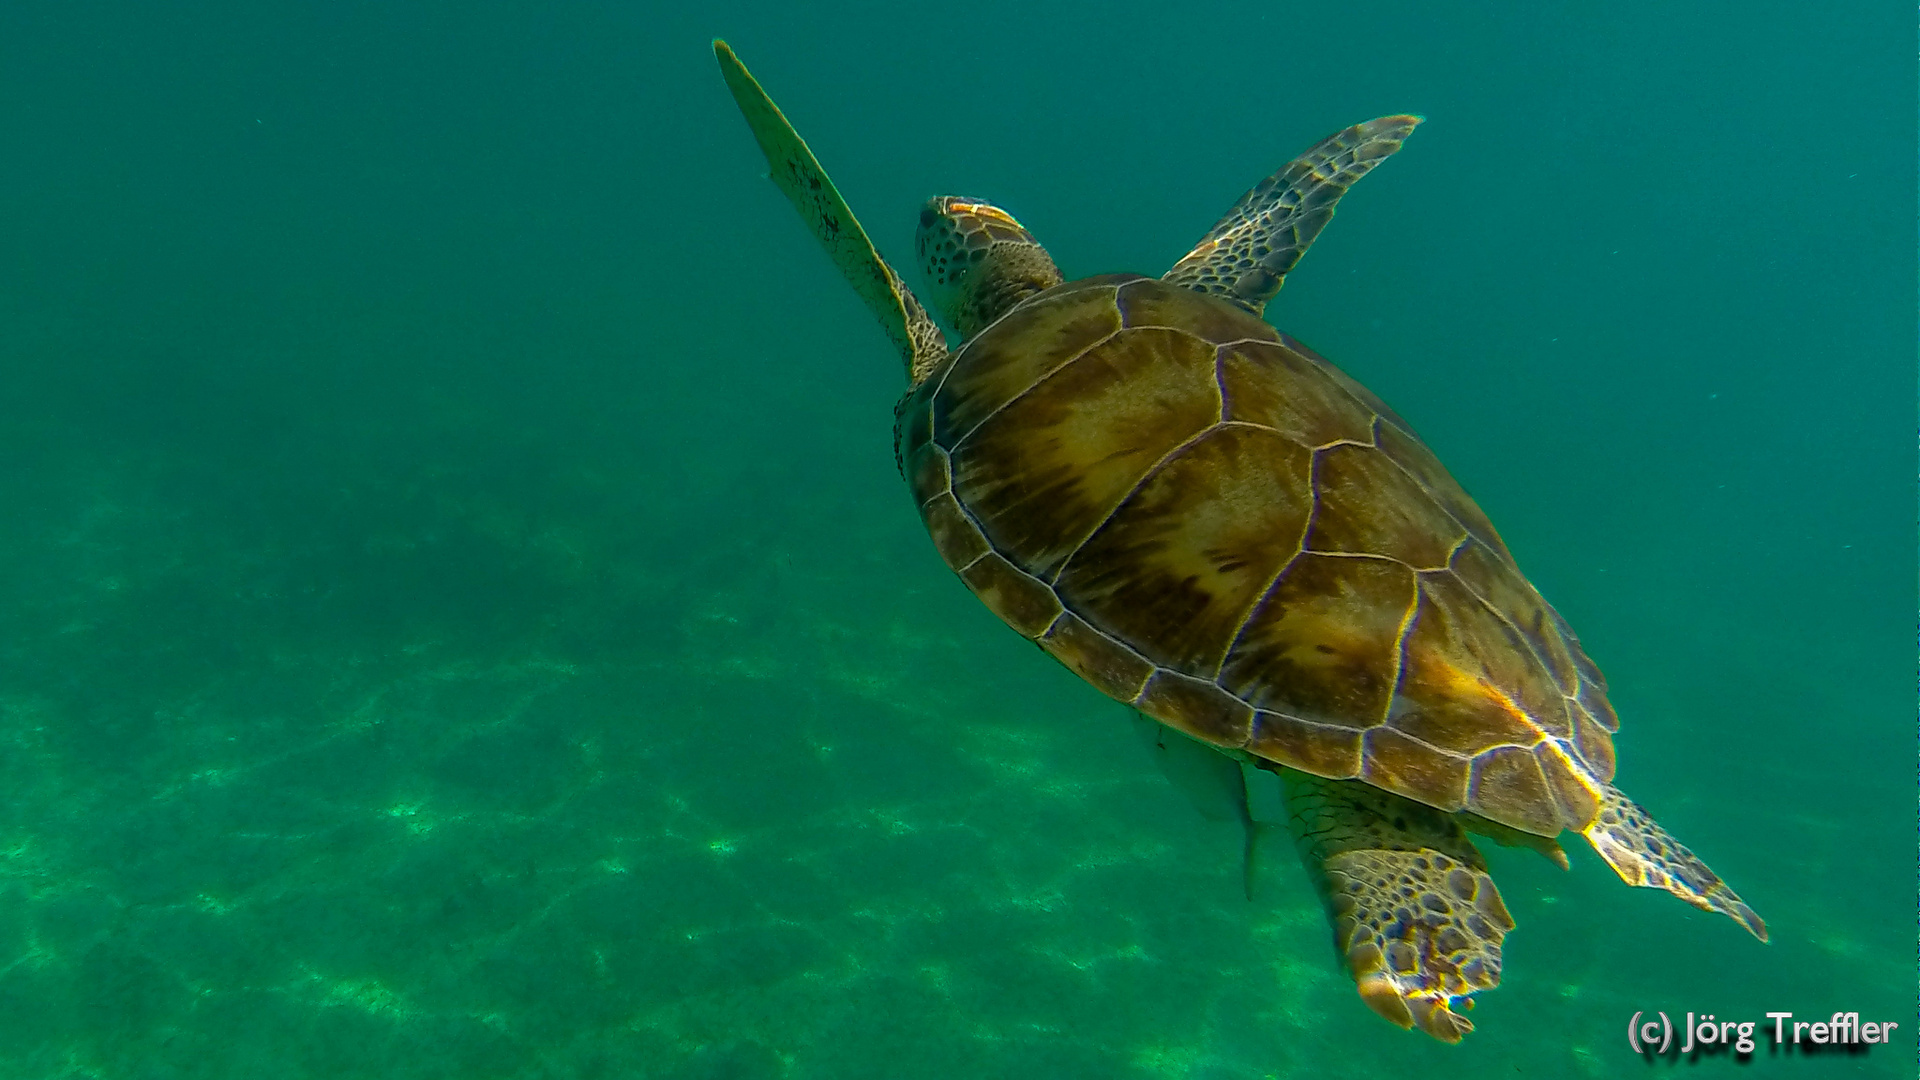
x: 1643, y: 853
x: 1247, y: 253
x: 1416, y: 917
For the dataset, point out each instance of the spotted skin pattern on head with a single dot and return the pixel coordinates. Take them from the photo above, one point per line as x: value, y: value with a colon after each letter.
x: 979, y: 262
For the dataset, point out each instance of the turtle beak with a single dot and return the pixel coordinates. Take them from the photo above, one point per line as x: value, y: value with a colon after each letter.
x: 987, y: 217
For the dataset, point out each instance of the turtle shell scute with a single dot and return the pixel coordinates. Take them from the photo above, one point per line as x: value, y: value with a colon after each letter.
x: 1205, y: 519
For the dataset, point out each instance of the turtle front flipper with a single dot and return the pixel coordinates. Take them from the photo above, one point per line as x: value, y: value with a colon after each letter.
x: 1643, y: 853
x: 1416, y: 917
x: 792, y: 167
x: 1247, y: 254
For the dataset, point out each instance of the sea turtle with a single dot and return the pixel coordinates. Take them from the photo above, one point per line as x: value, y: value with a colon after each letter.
x: 1211, y: 523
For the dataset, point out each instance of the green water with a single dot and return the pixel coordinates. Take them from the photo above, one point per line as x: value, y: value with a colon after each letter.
x: 459, y: 617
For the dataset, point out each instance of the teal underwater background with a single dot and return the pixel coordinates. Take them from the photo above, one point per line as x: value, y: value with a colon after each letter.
x: 459, y: 616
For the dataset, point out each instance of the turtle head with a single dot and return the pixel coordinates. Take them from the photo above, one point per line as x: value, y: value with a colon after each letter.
x: 979, y: 262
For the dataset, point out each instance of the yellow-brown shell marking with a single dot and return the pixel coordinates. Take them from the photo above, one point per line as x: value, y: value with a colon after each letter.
x: 1208, y: 521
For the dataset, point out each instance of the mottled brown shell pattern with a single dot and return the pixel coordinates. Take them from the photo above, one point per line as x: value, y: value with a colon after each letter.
x: 1209, y: 522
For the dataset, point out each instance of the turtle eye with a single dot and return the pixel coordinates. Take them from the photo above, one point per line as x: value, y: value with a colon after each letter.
x: 926, y: 218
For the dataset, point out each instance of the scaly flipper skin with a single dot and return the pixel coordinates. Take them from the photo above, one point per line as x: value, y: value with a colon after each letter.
x: 1247, y: 254
x: 797, y: 172
x: 1416, y: 918
x: 1643, y: 853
